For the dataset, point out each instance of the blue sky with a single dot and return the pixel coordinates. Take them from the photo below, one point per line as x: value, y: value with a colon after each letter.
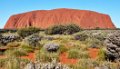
x: 10, y: 7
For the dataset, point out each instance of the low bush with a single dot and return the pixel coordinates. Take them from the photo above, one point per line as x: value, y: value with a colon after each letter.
x: 27, y: 31
x: 80, y: 36
x: 33, y: 40
x: 83, y: 54
x: 61, y: 29
x: 4, y: 40
x: 51, y: 47
x: 71, y: 29
x: 57, y: 29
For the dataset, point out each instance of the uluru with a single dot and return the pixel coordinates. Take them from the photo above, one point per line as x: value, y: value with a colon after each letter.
x: 45, y: 18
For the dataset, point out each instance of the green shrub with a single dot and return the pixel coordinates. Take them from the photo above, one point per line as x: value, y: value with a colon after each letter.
x: 80, y: 36
x: 61, y: 29
x: 71, y: 28
x: 27, y: 31
x: 73, y: 53
x: 57, y: 29
x: 33, y: 40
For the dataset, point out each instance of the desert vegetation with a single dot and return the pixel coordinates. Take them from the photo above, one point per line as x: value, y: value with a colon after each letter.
x: 60, y: 47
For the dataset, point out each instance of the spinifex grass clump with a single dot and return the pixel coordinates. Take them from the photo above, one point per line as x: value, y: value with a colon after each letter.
x: 13, y: 63
x: 45, y: 56
x: 77, y: 54
x: 73, y: 53
x: 101, y: 54
x: 27, y: 48
x: 15, y: 52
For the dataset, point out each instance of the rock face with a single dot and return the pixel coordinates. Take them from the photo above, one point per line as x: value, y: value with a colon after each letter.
x: 46, y: 18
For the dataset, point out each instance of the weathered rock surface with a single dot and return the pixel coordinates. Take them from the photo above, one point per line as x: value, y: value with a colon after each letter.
x: 46, y: 18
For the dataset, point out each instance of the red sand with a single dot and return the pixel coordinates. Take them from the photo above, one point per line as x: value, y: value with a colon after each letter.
x: 64, y: 59
x: 31, y: 56
x: 93, y: 53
